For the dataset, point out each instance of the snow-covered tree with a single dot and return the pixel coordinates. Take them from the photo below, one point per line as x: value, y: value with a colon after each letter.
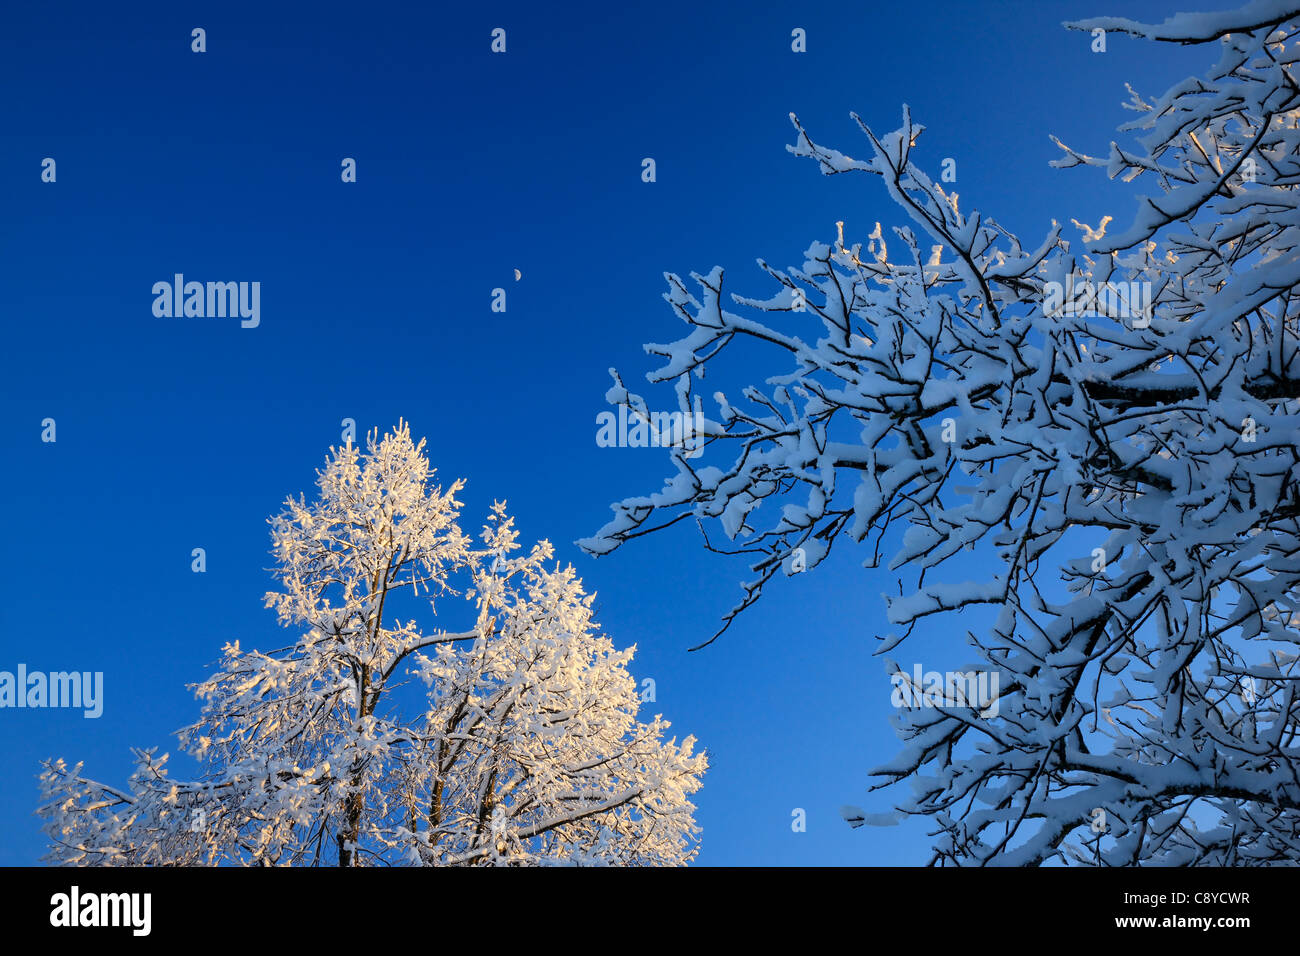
x: 1110, y: 423
x: 371, y: 740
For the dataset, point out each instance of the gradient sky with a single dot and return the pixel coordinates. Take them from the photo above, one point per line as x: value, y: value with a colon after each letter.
x: 183, y: 433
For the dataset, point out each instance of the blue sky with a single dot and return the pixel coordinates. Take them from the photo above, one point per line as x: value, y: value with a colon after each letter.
x: 181, y: 433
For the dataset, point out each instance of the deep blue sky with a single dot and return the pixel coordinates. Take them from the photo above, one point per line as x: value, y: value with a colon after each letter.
x: 183, y: 433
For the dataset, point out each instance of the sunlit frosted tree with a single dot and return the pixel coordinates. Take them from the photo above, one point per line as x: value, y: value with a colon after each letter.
x: 1109, y: 426
x: 371, y: 740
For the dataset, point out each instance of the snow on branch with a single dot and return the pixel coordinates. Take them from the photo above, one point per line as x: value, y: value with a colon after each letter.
x: 1108, y: 423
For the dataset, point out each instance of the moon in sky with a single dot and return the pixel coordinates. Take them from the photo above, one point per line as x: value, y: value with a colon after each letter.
x: 518, y: 275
